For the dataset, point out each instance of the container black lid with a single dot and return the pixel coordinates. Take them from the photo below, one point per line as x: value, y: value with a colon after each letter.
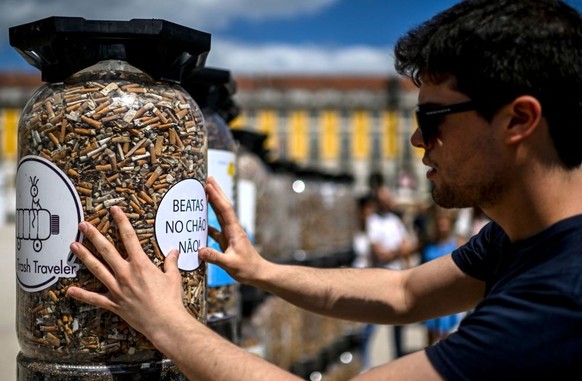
x: 254, y: 141
x: 213, y: 88
x: 309, y: 173
x: 229, y: 110
x: 283, y: 166
x: 61, y: 46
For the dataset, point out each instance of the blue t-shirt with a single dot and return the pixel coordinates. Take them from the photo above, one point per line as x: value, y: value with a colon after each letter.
x: 431, y: 251
x: 529, y: 323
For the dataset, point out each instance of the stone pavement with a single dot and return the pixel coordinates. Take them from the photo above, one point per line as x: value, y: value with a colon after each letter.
x: 8, y: 343
x: 414, y: 338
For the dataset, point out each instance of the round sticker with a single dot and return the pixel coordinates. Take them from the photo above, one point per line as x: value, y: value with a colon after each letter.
x: 48, y: 212
x: 181, y: 222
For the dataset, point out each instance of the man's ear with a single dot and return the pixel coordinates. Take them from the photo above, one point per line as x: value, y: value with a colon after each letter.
x: 524, y: 114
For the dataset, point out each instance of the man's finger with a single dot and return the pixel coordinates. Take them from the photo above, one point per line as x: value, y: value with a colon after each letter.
x: 99, y: 300
x: 126, y: 232
x: 171, y: 264
x: 94, y: 265
x: 210, y: 255
x: 102, y: 245
x: 220, y: 203
x: 216, y: 186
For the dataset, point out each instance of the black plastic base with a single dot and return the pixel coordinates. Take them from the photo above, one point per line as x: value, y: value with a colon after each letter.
x: 31, y: 370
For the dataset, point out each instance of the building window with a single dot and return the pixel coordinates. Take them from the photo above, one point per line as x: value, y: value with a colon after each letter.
x: 376, y: 136
x: 345, y: 138
x: 251, y: 118
x: 283, y: 132
x: 314, y: 137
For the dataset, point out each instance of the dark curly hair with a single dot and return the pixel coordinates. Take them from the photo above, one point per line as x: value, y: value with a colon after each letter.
x: 498, y: 50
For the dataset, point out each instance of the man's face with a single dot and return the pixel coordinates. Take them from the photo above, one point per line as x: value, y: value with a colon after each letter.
x: 465, y: 157
x: 385, y: 199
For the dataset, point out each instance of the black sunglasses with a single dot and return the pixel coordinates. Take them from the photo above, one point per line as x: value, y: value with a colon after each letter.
x: 428, y: 117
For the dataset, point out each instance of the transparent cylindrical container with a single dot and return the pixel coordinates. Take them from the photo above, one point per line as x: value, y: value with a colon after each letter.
x: 252, y: 179
x: 223, y: 301
x: 278, y: 217
x: 212, y: 89
x: 108, y: 134
x: 313, y: 234
x: 345, y: 206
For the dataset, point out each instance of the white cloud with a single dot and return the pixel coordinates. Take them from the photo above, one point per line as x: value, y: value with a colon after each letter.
x: 248, y: 59
x: 213, y: 16
x: 206, y: 15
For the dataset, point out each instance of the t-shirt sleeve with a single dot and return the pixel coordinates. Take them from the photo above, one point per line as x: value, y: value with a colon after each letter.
x: 509, y: 337
x: 477, y: 351
x: 478, y: 257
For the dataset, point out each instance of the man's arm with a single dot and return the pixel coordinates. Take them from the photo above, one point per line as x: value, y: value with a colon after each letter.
x: 150, y: 300
x: 374, y: 295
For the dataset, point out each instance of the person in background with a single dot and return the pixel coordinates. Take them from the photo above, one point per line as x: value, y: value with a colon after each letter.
x: 441, y: 240
x: 469, y: 222
x: 419, y: 227
x: 366, y: 206
x: 391, y: 246
x: 499, y: 116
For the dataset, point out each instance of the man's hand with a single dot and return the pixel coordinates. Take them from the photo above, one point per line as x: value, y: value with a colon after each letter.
x: 138, y: 291
x: 239, y: 258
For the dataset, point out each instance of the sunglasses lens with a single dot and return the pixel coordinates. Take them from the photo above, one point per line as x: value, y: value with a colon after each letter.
x: 427, y: 126
x: 430, y: 118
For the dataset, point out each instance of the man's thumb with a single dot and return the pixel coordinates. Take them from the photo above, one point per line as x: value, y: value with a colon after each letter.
x: 171, y: 262
x: 210, y: 255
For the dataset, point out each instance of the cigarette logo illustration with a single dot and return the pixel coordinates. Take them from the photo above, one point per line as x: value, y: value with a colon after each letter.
x: 35, y: 224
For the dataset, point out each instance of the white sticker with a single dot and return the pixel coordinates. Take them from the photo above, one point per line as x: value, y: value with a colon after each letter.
x: 181, y: 222
x: 246, y: 206
x: 48, y: 213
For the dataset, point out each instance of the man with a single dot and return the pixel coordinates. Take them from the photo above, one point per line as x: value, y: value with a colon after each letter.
x: 391, y: 246
x: 390, y: 240
x: 500, y: 117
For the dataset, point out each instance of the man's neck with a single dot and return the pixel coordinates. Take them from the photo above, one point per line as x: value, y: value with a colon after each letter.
x: 536, y: 206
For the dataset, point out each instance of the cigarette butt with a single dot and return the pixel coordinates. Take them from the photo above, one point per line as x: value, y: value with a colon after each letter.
x: 92, y: 122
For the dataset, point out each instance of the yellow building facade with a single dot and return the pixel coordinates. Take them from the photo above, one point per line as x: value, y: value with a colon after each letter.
x: 354, y: 124
x: 358, y: 125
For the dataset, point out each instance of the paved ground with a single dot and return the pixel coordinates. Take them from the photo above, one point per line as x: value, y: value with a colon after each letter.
x: 380, y: 353
x: 8, y: 342
x: 381, y: 342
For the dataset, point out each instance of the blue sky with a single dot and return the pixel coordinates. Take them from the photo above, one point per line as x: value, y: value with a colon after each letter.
x: 257, y: 36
